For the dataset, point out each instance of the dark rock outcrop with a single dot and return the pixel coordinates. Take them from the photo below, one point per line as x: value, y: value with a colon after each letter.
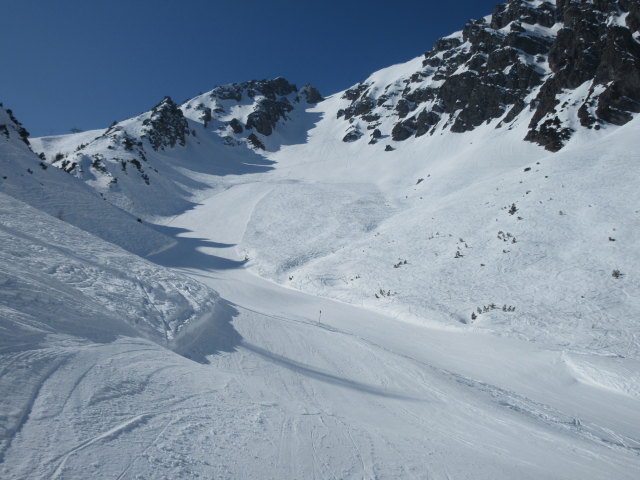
x: 255, y: 142
x: 236, y: 126
x: 503, y: 15
x: 311, y: 94
x: 266, y: 114
x: 272, y: 100
x: 166, y: 126
x: 22, y: 132
x: 352, y: 136
x: 270, y: 89
x: 590, y: 48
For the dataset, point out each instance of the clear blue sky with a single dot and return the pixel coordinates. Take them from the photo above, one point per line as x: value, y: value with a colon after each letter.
x: 86, y: 63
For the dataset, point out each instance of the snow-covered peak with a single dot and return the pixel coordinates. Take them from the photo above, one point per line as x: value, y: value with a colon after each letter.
x: 165, y: 125
x: 145, y: 164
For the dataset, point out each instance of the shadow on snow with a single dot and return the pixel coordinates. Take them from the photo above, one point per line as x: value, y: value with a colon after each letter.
x: 186, y: 254
x: 321, y: 376
x: 213, y: 335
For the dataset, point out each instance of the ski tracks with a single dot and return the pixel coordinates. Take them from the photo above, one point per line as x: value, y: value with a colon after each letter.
x: 111, y: 434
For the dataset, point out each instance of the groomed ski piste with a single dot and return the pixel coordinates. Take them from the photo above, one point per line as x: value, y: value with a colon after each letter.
x: 458, y: 306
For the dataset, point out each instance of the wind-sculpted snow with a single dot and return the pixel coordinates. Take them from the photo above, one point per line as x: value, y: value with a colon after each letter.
x: 354, y: 395
x: 61, y: 284
x: 48, y: 266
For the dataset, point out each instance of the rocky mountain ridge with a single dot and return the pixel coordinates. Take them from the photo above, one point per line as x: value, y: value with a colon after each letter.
x: 557, y: 65
x: 135, y: 163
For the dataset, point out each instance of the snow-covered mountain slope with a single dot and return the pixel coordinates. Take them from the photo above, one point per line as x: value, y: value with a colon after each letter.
x: 68, y: 281
x: 62, y: 268
x: 481, y: 217
x: 26, y: 177
x: 146, y: 164
x: 250, y: 112
x: 465, y: 201
x: 437, y: 237
x: 537, y: 70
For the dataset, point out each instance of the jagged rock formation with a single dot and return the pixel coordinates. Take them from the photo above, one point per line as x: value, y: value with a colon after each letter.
x: 312, y: 94
x: 121, y: 161
x: 266, y: 114
x: 255, y: 142
x: 166, y: 125
x: 245, y: 111
x: 541, y: 68
x: 519, y: 62
x: 597, y: 45
x: 123, y: 144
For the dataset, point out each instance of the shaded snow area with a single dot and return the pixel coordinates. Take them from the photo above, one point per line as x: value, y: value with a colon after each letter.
x: 64, y: 261
x: 62, y: 289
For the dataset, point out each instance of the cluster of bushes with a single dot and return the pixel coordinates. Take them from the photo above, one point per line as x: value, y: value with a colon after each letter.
x: 490, y: 307
x: 382, y: 293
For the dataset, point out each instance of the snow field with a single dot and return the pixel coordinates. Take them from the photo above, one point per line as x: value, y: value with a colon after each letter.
x: 552, y: 259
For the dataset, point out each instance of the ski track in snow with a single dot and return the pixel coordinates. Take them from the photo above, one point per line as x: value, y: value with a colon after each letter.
x: 109, y: 435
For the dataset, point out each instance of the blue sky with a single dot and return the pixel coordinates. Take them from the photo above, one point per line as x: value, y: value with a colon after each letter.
x: 83, y: 64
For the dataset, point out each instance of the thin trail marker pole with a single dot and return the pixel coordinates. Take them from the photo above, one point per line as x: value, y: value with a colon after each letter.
x: 319, y: 317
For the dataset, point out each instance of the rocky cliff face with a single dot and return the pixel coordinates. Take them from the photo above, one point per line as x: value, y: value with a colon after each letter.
x: 558, y: 64
x: 544, y: 69
x: 596, y: 46
x: 127, y: 163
